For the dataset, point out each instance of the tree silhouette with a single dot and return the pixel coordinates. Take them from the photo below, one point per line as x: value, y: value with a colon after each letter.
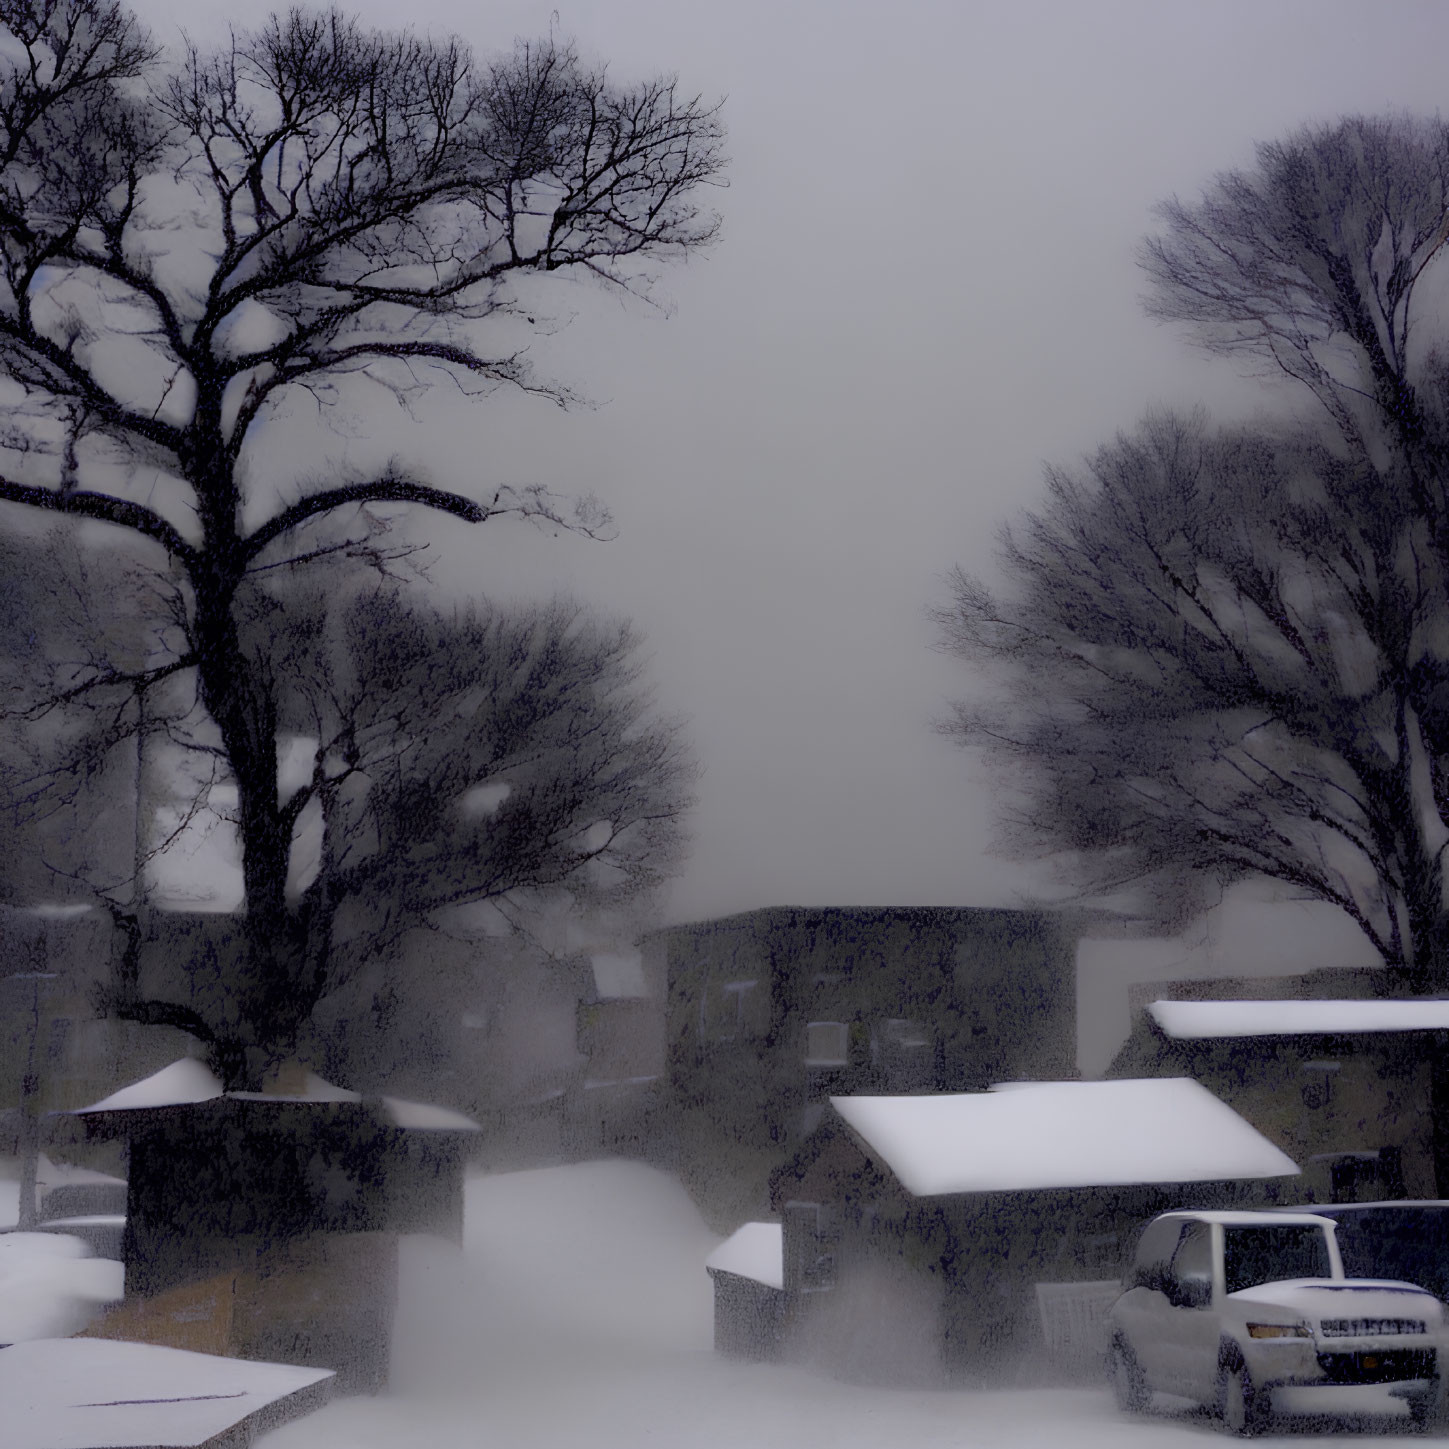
x: 188, y: 247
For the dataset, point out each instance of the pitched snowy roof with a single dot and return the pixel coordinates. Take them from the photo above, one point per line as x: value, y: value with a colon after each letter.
x: 189, y: 1081
x: 1199, y: 1020
x: 185, y: 1081
x: 1062, y: 1134
x: 753, y: 1251
x: 50, y: 1175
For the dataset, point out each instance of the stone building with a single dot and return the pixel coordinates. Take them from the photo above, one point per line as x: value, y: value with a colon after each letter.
x: 772, y: 1011
x: 1337, y: 1077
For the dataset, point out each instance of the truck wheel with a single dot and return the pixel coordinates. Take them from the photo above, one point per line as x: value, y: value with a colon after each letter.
x: 1242, y: 1406
x: 1129, y: 1384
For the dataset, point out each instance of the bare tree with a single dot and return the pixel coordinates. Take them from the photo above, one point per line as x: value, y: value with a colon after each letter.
x: 1324, y: 263
x: 185, y: 250
x: 511, y: 756
x: 73, y: 617
x: 439, y: 762
x: 1205, y: 656
x: 1228, y: 652
x: 1318, y: 265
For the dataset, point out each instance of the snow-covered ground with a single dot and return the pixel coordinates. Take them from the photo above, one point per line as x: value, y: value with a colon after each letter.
x: 579, y: 1316
x: 50, y: 1285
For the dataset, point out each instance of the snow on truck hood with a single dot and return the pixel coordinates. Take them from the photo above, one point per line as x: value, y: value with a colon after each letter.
x: 1364, y: 1297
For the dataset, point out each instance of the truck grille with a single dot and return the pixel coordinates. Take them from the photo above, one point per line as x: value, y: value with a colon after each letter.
x: 1369, y: 1327
x: 1378, y: 1368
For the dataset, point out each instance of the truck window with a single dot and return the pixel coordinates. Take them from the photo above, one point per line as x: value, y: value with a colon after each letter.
x: 1271, y: 1254
x: 1154, y: 1250
x: 1192, y: 1263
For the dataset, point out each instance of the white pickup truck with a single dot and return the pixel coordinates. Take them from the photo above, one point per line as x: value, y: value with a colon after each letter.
x: 1224, y: 1307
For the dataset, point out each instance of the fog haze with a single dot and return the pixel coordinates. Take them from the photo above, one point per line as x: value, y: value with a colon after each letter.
x: 924, y: 289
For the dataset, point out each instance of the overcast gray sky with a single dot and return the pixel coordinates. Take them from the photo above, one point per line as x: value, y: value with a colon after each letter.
x: 923, y: 291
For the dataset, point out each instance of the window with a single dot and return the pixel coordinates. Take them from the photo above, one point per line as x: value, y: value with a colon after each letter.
x: 1154, y: 1250
x: 1317, y: 1089
x: 827, y: 1044
x: 1192, y: 1265
x: 1100, y: 1255
x: 1270, y: 1255
x: 59, y: 1036
x: 732, y: 1009
x: 737, y: 1018
x: 905, y: 1055
x: 808, y: 1229
x: 903, y: 1035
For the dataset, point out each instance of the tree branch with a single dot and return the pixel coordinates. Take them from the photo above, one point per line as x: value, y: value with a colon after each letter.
x: 382, y: 490
x: 105, y: 508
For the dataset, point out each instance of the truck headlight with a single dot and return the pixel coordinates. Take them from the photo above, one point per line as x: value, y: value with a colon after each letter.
x: 1278, y: 1330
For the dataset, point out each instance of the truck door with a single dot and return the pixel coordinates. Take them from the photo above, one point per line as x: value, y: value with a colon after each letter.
x: 1189, y: 1326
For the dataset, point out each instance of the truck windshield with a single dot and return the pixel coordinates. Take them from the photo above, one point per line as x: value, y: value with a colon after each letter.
x: 1271, y: 1254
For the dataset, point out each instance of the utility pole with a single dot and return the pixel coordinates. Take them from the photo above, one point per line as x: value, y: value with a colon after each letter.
x: 30, y: 1104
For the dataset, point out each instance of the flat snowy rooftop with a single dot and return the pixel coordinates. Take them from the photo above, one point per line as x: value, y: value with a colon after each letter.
x: 1026, y: 1135
x: 756, y: 1251
x: 91, y: 1393
x: 1200, y: 1020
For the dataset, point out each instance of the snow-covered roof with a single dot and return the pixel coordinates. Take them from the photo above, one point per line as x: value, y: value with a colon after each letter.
x: 51, y: 1287
x: 75, y: 1392
x: 594, y: 1084
x: 310, y: 1088
x: 1394, y: 1204
x: 82, y: 1220
x: 425, y: 1117
x: 50, y: 1175
x: 1062, y: 1134
x: 1199, y: 1020
x: 188, y: 1081
x: 753, y: 1251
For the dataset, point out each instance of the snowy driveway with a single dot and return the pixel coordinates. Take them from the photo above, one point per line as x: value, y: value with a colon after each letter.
x: 580, y: 1318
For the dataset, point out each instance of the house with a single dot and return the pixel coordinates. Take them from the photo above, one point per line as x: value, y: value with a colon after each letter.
x: 267, y: 1222
x: 948, y: 1237
x: 491, y: 1025
x: 556, y: 1055
x: 56, y: 959
x: 773, y: 1011
x: 80, y: 1203
x: 483, y: 1022
x: 1339, y: 1081
x: 616, y: 1105
x: 748, y: 1274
